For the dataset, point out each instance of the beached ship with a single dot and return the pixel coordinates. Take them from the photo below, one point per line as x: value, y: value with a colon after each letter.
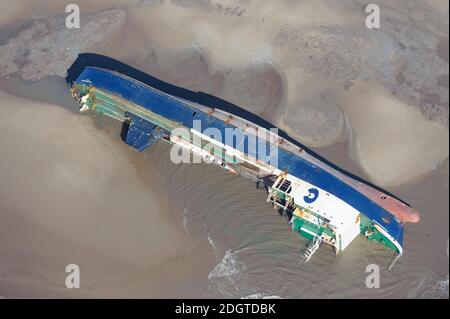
x: 323, y: 203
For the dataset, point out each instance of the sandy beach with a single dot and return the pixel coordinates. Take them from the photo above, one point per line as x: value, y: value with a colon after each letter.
x: 375, y: 103
x: 65, y: 179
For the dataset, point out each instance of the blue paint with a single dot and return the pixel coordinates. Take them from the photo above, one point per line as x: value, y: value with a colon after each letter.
x: 142, y: 134
x: 312, y: 196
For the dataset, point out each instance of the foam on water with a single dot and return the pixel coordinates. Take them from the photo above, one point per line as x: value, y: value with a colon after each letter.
x: 226, y: 268
x: 213, y: 245
x: 440, y: 289
x: 185, y: 220
x: 225, y: 275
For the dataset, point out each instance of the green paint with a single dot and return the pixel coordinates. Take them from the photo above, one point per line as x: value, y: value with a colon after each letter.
x: 367, y: 225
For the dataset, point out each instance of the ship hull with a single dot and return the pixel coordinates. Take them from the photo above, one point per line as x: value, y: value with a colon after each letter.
x: 321, y: 202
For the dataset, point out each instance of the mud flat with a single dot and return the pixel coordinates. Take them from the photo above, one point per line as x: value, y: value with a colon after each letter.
x: 310, y: 67
x: 45, y: 47
x: 392, y: 143
x: 70, y: 195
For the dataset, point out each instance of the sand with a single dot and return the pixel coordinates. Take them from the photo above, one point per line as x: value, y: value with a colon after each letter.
x: 374, y: 102
x: 392, y: 143
x: 296, y: 69
x: 63, y: 178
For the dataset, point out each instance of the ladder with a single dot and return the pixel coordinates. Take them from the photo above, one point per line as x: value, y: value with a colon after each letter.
x: 311, y: 248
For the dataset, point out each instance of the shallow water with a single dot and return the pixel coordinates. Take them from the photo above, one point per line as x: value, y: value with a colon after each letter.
x: 255, y: 253
x: 233, y: 243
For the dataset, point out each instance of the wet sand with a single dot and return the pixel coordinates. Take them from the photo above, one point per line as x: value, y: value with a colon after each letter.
x: 72, y: 192
x: 380, y: 125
